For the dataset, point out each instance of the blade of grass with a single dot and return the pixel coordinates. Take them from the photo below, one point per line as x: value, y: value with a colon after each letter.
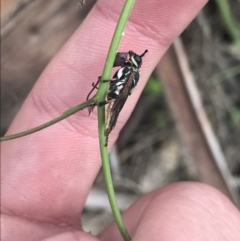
x: 229, y: 20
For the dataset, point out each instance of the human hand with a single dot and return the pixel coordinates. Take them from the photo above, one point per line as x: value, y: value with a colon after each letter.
x: 47, y: 176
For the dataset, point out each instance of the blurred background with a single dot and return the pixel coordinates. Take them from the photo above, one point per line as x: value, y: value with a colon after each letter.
x: 186, y: 125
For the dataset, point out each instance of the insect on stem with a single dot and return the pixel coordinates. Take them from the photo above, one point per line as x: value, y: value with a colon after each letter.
x: 120, y: 86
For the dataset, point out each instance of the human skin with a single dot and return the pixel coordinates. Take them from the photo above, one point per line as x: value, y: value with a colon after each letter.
x: 46, y: 176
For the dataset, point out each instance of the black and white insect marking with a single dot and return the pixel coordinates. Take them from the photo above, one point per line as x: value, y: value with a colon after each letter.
x: 120, y: 86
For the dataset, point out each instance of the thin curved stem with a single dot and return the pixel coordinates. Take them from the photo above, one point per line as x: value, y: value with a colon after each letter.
x: 65, y: 114
x: 101, y: 116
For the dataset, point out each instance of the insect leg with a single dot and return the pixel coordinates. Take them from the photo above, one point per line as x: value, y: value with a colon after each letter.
x: 105, y: 102
x: 94, y: 87
x: 108, y: 80
x: 106, y: 142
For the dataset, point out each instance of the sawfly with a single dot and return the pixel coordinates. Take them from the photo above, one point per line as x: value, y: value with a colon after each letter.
x: 120, y: 86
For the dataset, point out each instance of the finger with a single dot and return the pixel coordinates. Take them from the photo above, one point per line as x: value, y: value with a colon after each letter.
x: 55, y: 168
x: 183, y: 211
x: 72, y: 236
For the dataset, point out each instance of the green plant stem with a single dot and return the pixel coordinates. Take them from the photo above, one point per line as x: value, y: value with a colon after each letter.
x: 101, y: 116
x: 229, y: 20
x: 65, y: 114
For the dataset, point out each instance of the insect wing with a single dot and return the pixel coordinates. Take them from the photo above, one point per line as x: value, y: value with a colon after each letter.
x: 118, y: 105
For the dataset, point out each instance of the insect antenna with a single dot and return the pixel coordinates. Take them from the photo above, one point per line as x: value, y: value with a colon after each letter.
x: 144, y: 53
